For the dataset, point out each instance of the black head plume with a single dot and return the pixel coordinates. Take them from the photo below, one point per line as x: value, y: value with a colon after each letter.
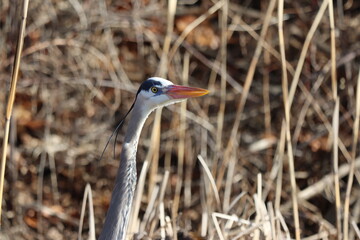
x: 117, y: 129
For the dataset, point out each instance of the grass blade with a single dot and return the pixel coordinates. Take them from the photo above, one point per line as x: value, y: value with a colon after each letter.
x: 11, y: 99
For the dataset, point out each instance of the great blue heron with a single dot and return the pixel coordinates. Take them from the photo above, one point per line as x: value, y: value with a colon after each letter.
x: 153, y: 93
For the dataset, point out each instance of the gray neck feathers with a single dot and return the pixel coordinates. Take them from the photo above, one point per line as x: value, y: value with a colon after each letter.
x: 118, y: 214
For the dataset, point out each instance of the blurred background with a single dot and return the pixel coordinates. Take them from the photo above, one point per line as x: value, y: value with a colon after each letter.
x: 82, y: 63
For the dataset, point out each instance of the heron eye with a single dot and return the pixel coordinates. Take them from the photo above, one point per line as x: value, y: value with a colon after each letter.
x: 154, y: 89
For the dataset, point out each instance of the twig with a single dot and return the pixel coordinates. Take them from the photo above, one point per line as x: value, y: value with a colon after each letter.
x: 280, y: 159
x: 272, y: 219
x: 192, y: 26
x: 162, y: 220
x: 283, y: 224
x: 336, y: 167
x: 223, y: 59
x: 267, y: 46
x: 228, y: 184
x: 333, y: 50
x: 153, y: 155
x: 304, y: 50
x: 162, y: 71
x: 319, y: 186
x: 87, y: 198
x: 356, y: 228
x: 182, y: 134
x: 352, y: 164
x: 287, y: 120
x: 81, y: 13
x: 10, y: 102
x: 252, y: 228
x: 214, y: 66
x: 161, y: 203
x: 211, y: 179
x: 245, y: 93
x: 257, y: 200
x: 150, y: 208
x: 217, y: 226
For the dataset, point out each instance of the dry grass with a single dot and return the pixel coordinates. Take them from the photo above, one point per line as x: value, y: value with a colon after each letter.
x: 289, y: 146
x: 271, y: 153
x: 11, y: 97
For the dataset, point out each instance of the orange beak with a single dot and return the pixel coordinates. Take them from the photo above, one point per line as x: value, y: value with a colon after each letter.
x: 178, y: 92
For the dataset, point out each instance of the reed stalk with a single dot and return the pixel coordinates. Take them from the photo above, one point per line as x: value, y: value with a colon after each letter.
x: 11, y: 98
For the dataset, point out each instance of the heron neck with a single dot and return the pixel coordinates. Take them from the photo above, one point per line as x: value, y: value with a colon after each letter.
x: 118, y: 214
x: 136, y: 123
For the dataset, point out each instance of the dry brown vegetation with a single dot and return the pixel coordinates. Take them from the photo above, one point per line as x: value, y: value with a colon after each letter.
x: 236, y: 164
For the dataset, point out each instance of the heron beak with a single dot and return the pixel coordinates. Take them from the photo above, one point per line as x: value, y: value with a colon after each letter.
x: 178, y: 92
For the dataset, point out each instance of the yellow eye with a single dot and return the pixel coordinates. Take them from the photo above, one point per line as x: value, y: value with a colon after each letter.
x: 154, y: 89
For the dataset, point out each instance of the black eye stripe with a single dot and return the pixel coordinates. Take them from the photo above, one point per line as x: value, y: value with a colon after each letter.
x: 148, y: 84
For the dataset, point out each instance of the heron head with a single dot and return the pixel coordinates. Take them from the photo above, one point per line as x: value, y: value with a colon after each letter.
x: 157, y: 92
